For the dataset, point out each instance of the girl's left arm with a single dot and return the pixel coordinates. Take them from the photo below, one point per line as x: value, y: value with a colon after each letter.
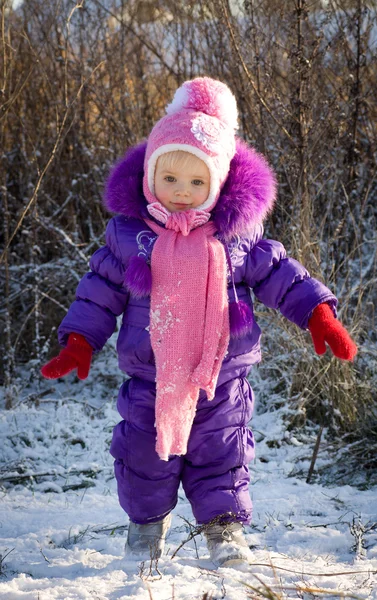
x: 283, y: 283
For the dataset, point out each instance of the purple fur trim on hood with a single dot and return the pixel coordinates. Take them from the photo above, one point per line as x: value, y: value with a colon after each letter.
x: 248, y: 194
x: 124, y: 188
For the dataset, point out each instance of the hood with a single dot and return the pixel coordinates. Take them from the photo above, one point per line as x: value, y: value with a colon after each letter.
x: 246, y: 198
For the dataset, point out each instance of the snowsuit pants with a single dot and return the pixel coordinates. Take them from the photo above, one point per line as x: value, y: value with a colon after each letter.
x: 214, y: 472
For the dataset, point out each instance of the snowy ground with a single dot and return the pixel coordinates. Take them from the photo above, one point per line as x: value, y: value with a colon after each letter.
x: 60, y: 540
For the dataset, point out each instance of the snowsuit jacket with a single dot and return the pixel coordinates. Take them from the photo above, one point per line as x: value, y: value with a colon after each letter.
x: 258, y: 264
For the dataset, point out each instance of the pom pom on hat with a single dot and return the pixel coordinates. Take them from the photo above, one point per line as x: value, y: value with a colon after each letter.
x: 208, y: 96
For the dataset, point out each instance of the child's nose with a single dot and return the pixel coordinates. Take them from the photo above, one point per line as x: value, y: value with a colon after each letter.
x: 182, y: 190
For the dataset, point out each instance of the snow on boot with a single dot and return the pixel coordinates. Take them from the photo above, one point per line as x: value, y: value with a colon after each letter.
x: 147, y: 541
x: 227, y: 545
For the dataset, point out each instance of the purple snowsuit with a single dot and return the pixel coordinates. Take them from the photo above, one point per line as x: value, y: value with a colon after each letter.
x: 214, y: 472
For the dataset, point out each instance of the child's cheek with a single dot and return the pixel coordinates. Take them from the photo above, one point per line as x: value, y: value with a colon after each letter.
x: 162, y: 194
x: 202, y: 193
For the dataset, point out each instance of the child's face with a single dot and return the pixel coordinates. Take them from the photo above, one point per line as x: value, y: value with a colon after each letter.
x: 180, y: 190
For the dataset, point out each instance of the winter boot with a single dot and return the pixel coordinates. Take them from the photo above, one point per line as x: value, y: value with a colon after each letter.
x: 147, y: 541
x: 227, y: 545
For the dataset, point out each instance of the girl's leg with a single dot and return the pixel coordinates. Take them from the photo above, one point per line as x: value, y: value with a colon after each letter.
x: 215, y: 474
x: 147, y: 486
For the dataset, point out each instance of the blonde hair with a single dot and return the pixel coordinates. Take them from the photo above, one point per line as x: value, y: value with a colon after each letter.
x: 178, y: 159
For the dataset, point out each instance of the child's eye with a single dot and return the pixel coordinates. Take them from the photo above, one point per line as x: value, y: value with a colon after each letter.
x: 198, y: 182
x: 170, y: 179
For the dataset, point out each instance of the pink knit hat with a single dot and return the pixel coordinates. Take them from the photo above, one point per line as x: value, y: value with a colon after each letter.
x: 202, y: 120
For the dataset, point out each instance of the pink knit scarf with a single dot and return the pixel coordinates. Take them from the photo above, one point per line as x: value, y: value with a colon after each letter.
x: 189, y: 322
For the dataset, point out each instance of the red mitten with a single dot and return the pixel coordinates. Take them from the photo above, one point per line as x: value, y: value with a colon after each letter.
x: 77, y: 354
x: 324, y: 327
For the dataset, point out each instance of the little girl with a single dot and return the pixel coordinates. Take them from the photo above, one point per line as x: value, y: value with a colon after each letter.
x: 180, y: 258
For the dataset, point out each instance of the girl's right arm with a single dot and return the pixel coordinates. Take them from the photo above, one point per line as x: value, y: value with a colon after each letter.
x: 91, y: 318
